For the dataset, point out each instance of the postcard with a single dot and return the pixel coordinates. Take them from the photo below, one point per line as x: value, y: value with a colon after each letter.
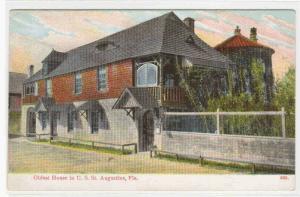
x: 151, y: 100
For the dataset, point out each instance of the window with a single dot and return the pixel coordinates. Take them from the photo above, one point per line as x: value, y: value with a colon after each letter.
x: 78, y: 83
x: 147, y: 75
x: 36, y: 88
x: 71, y: 118
x: 169, y: 80
x: 94, y: 121
x: 48, y: 87
x: 103, y: 120
x: 30, y: 89
x: 43, y: 118
x: 102, y: 78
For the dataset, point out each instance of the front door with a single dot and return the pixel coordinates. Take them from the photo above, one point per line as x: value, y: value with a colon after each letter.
x: 147, y: 137
x: 53, y: 123
x: 94, y: 122
x: 31, y: 123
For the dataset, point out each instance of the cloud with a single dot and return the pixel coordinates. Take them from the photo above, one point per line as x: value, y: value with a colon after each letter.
x: 35, y: 33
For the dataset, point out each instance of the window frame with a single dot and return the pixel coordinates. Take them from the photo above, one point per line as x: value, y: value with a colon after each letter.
x: 43, y: 119
x: 36, y: 88
x: 48, y: 87
x: 105, y: 68
x: 71, y: 116
x: 137, y: 74
x: 76, y: 83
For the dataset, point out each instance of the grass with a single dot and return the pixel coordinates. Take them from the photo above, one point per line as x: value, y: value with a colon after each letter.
x: 14, y: 123
x: 86, y: 147
x: 259, y: 169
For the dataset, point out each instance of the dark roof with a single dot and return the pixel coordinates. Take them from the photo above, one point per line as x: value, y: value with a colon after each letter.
x: 36, y: 76
x: 62, y: 107
x: 90, y: 105
x: 55, y: 56
x: 142, y: 97
x: 164, y: 34
x: 16, y: 81
x: 47, y: 102
x: 239, y: 41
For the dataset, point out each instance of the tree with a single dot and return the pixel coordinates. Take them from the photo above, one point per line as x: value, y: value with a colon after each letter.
x: 285, y: 97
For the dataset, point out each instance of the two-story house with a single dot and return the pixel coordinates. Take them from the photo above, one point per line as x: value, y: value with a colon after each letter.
x: 114, y: 89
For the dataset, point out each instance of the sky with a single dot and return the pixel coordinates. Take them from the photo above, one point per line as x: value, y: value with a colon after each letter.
x: 34, y: 33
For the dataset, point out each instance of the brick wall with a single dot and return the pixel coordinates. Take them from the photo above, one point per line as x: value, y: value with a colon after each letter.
x: 119, y: 77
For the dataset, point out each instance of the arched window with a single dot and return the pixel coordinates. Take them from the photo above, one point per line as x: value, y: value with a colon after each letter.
x: 147, y: 75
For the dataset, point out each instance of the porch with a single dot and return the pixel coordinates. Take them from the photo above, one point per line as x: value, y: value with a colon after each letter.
x: 166, y: 96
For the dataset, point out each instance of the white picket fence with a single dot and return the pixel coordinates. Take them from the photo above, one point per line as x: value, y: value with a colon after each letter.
x: 219, y: 113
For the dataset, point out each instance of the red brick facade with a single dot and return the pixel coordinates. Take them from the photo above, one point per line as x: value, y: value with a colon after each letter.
x: 119, y: 76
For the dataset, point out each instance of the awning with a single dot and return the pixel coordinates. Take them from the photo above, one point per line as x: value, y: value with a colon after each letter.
x: 63, y: 107
x: 90, y: 105
x: 44, y: 104
x: 136, y: 97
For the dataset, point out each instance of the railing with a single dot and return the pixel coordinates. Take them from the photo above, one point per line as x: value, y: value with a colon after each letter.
x: 173, y: 94
x: 168, y: 94
x: 93, y: 143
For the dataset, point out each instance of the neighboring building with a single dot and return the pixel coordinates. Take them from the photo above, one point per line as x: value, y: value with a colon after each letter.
x: 16, y: 81
x: 116, y: 88
x: 242, y: 51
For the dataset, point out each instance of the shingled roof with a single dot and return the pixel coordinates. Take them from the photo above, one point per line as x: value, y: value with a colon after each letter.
x: 239, y: 41
x: 163, y: 34
x: 55, y: 56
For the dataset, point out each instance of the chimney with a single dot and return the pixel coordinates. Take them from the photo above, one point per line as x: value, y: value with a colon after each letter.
x: 30, y: 70
x: 237, y: 31
x: 190, y: 22
x: 253, y: 34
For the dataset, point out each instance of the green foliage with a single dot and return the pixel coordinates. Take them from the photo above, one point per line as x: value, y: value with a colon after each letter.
x: 285, y: 97
x: 257, y: 78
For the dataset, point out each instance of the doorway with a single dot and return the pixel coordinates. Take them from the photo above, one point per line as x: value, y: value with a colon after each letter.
x: 94, y: 122
x: 147, y: 135
x: 54, y: 116
x: 31, y: 121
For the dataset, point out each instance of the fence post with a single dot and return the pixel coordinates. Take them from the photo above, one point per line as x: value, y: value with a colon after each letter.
x: 283, y: 122
x: 218, y: 121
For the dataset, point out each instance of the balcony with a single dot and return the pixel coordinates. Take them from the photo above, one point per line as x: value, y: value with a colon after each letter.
x: 169, y: 96
x: 29, y: 99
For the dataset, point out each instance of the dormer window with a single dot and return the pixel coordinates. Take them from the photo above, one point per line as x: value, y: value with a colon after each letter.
x: 147, y: 75
x: 190, y: 40
x: 105, y: 45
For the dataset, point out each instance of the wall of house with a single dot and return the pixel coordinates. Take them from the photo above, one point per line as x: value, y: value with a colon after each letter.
x: 15, y: 102
x: 119, y: 77
x: 255, y: 149
x: 122, y: 128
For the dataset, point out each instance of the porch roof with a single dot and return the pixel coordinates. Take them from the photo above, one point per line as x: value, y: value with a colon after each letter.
x: 135, y: 97
x: 44, y: 104
x: 92, y: 104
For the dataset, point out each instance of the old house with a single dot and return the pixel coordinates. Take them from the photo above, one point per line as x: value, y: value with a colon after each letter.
x: 116, y: 88
x: 15, y: 91
x: 243, y: 51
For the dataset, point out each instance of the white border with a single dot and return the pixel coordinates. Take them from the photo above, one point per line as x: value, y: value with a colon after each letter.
x: 128, y: 4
